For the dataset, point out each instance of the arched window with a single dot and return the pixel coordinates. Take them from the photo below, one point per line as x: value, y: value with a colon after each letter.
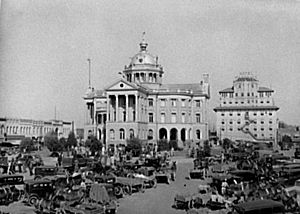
x: 150, y: 134
x: 198, y: 134
x: 112, y: 134
x: 122, y: 134
x: 131, y: 133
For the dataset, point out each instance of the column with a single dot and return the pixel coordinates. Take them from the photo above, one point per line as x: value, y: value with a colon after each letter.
x: 108, y: 108
x: 117, y: 108
x: 126, y: 103
x: 136, y: 108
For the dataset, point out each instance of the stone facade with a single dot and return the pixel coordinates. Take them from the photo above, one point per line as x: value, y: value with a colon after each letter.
x: 140, y: 105
x: 247, y: 111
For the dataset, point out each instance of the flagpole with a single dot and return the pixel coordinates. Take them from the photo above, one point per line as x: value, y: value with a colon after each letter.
x: 89, y: 60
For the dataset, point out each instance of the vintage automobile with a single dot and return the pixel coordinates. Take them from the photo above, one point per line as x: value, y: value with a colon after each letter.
x: 259, y: 206
x: 130, y: 185
x: 42, y: 171
x: 149, y: 181
x: 37, y: 189
x: 183, y: 201
x: 8, y: 188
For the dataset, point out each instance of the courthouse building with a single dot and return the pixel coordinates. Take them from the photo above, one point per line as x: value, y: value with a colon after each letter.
x: 140, y: 105
x: 247, y: 111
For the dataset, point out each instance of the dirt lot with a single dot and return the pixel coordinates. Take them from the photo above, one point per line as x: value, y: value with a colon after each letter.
x: 157, y: 200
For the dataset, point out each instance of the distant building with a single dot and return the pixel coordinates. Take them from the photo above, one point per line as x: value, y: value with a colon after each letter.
x: 247, y: 111
x: 140, y: 105
x: 292, y: 131
x: 15, y: 129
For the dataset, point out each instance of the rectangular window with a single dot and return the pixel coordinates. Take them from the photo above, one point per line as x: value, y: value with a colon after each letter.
x: 198, y: 118
x: 270, y: 114
x: 198, y: 103
x: 150, y: 102
x: 231, y: 95
x: 183, y: 117
x: 173, y: 102
x: 223, y: 114
x: 230, y: 122
x: 261, y: 114
x: 238, y: 114
x: 173, y: 118
x: 150, y: 118
x: 254, y: 114
x: 223, y: 122
x: 163, y: 117
x: 230, y: 114
x: 163, y: 102
x: 183, y: 102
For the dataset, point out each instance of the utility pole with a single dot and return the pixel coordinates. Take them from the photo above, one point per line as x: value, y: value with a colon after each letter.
x: 89, y: 61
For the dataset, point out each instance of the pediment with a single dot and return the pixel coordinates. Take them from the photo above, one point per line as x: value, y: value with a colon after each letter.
x: 121, y: 85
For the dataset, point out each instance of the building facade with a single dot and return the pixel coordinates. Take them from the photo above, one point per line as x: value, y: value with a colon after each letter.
x: 16, y: 129
x: 140, y: 105
x: 247, y: 111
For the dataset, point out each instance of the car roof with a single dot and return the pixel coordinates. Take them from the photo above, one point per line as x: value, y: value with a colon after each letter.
x: 47, y: 166
x: 258, y: 204
x: 10, y: 176
x: 31, y: 181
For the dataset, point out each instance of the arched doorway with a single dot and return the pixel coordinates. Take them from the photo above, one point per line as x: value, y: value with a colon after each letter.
x: 182, y: 134
x: 163, y: 134
x: 173, y: 134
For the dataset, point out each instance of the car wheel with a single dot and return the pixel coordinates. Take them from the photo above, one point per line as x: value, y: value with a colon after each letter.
x: 33, y: 199
x: 127, y: 190
x: 118, y: 191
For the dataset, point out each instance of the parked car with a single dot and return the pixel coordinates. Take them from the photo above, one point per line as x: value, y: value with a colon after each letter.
x: 35, y: 190
x: 8, y: 191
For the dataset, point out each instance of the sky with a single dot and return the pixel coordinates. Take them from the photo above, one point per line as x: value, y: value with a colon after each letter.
x: 44, y: 46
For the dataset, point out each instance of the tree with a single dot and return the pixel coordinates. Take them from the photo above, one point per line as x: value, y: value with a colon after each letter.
x: 27, y: 144
x: 51, y: 141
x: 72, y: 141
x: 134, y: 145
x: 93, y: 144
x: 62, y: 141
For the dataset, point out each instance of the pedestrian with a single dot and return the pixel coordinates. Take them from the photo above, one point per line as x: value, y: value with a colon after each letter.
x: 30, y: 167
x: 59, y: 159
x: 224, y: 187
x: 19, y: 163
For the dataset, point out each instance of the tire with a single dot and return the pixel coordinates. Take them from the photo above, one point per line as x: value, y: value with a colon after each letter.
x: 118, y: 191
x: 33, y: 199
x: 127, y: 190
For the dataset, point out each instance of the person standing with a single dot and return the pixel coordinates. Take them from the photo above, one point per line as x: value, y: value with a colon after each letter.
x: 30, y: 167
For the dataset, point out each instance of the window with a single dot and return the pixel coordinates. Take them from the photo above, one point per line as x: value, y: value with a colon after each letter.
x: 242, y: 94
x: 173, y: 102
x: 262, y: 122
x: 224, y: 102
x: 255, y: 129
x: 223, y: 122
x: 183, y: 102
x: 270, y: 114
x: 131, y: 133
x: 198, y: 118
x: 230, y: 114
x: 150, y: 102
x: 270, y: 129
x: 183, y: 117
x: 223, y: 129
x: 173, y: 118
x: 231, y: 95
x: 248, y: 94
x: 162, y: 102
x: 112, y: 134
x: 254, y: 114
x: 122, y: 134
x: 239, y: 122
x: 238, y: 114
x: 261, y: 114
x: 163, y: 117
x: 252, y: 94
x: 150, y: 134
x: 270, y: 121
x: 198, y: 134
x: 150, y: 116
x: 230, y: 102
x: 223, y: 114
x: 198, y: 103
x: 236, y: 94
x: 262, y: 129
x: 230, y: 122
x: 231, y: 129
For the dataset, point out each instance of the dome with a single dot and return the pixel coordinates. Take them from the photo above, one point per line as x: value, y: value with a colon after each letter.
x: 143, y: 57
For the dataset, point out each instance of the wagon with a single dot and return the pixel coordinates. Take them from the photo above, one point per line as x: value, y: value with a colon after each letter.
x: 130, y: 185
x: 196, y: 174
x: 149, y: 181
x: 183, y: 201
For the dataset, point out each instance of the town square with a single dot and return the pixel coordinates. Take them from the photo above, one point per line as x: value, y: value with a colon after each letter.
x: 149, y: 107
